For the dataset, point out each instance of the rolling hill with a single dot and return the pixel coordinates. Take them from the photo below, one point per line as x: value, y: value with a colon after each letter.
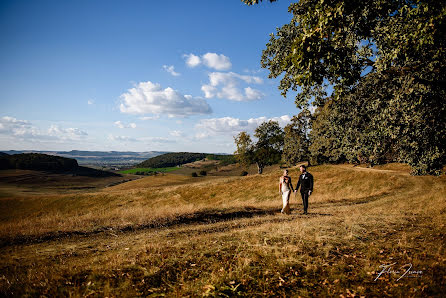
x: 180, y: 158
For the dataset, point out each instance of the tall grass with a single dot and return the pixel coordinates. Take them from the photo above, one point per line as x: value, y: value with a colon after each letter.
x: 221, y: 236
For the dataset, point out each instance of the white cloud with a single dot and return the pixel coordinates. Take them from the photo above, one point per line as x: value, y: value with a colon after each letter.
x: 252, y: 94
x: 226, y: 85
x: 218, y: 62
x: 211, y: 60
x: 122, y: 138
x: 228, y: 126
x: 192, y: 60
x: 149, y: 118
x: 171, y: 69
x: 66, y: 133
x: 23, y: 129
x: 10, y: 125
x: 156, y: 140
x: 90, y: 102
x: 176, y: 133
x: 150, y: 98
x: 122, y: 125
x: 209, y: 91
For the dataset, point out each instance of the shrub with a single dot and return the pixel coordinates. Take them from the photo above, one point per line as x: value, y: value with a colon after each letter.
x: 194, y: 174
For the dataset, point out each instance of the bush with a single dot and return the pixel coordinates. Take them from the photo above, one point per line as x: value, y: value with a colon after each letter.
x: 203, y: 173
x: 194, y: 174
x: 244, y: 173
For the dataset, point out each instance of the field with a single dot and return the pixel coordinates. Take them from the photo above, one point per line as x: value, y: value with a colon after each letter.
x: 176, y: 235
x: 148, y: 170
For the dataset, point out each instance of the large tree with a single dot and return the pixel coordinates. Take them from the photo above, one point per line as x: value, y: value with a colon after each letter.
x: 266, y: 151
x: 244, y: 151
x: 296, y: 139
x: 350, y: 45
x: 269, y: 145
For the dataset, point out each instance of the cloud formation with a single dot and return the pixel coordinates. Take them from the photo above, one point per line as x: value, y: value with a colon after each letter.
x: 123, y: 125
x: 23, y: 129
x: 122, y: 138
x: 171, y: 69
x: 150, y: 98
x: 227, y: 85
x: 228, y: 126
x: 176, y: 133
x: 211, y: 60
x: 192, y: 60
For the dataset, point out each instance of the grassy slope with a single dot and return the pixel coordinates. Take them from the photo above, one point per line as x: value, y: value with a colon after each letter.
x: 135, y: 170
x: 181, y: 236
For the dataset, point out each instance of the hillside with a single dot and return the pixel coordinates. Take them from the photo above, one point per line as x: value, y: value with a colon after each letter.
x: 176, y: 235
x: 180, y: 158
x: 38, y: 162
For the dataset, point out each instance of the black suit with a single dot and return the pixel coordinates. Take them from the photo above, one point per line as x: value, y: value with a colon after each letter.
x: 306, y: 185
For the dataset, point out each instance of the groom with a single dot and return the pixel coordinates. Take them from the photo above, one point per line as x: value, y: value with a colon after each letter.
x: 306, y: 186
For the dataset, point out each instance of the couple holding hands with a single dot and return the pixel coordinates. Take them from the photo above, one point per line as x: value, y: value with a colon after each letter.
x: 285, y: 188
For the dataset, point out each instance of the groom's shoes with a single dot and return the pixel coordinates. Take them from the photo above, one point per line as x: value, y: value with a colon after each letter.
x: 305, y: 212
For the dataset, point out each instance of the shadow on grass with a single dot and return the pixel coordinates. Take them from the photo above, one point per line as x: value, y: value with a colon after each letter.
x: 349, y: 202
x: 207, y: 216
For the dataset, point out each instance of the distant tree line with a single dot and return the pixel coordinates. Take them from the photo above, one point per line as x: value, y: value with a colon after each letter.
x: 351, y: 130
x: 180, y: 158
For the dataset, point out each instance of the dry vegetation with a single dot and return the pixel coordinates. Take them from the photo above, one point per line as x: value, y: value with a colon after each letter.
x: 223, y: 236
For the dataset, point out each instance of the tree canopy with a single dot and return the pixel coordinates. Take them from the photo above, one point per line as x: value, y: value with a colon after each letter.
x: 296, y: 139
x: 384, y: 61
x: 336, y: 42
x: 266, y: 151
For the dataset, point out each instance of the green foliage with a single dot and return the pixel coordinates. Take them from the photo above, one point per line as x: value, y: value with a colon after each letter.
x: 171, y: 160
x: 378, y: 127
x: 148, y: 171
x: 243, y: 153
x: 268, y: 149
x: 225, y: 159
x: 296, y: 139
x: 385, y: 62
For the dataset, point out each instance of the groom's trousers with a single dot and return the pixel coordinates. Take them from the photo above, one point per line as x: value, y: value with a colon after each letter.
x: 305, y: 196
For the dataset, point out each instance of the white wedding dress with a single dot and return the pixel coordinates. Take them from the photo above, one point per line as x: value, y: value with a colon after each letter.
x: 286, y: 192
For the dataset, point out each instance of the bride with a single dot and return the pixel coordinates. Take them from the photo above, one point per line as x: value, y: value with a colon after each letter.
x: 285, y: 189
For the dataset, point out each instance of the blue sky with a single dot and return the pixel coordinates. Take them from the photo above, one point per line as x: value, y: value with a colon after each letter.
x: 136, y: 75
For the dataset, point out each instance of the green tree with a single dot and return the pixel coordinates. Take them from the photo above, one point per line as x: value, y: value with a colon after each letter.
x: 296, y: 139
x: 393, y: 47
x: 269, y: 146
x: 244, y: 151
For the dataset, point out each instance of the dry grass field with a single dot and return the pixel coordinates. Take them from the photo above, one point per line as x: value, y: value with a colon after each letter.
x: 175, y: 235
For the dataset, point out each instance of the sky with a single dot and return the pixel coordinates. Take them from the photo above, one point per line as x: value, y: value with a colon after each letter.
x: 136, y: 75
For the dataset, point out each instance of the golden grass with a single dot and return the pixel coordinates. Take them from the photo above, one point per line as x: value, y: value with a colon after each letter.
x: 220, y: 236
